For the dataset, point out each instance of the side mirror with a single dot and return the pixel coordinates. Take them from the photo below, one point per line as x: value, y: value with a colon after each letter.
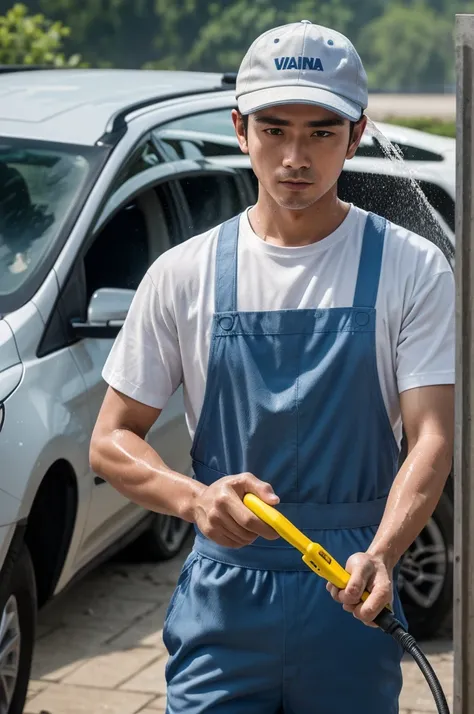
x: 106, y: 314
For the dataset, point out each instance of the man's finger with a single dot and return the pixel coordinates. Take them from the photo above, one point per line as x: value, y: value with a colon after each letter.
x: 248, y: 521
x: 357, y: 614
x: 361, y: 571
x: 333, y: 590
x: 236, y: 531
x: 227, y: 539
x: 221, y: 522
x: 248, y: 483
x: 380, y: 596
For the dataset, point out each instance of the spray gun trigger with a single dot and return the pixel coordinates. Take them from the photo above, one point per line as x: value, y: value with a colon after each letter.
x: 311, y: 564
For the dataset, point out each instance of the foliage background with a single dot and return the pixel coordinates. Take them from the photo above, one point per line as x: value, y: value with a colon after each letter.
x: 406, y: 45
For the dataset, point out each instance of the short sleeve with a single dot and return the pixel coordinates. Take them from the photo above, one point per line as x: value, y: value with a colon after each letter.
x: 145, y: 362
x: 426, y: 345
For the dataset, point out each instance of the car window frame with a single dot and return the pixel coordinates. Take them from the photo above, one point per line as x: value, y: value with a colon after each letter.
x: 154, y: 176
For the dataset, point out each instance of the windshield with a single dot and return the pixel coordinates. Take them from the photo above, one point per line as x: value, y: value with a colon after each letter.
x: 40, y: 186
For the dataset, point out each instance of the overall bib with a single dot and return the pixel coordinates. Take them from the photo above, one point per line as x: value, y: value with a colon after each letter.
x: 292, y: 396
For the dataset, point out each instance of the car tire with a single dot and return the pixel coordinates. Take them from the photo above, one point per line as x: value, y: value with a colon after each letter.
x: 18, y: 608
x: 163, y: 540
x: 426, y: 574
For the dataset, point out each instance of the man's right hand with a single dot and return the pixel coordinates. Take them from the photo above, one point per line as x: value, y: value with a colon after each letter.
x: 220, y: 514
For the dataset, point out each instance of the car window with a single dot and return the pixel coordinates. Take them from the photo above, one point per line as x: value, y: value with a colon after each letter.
x: 211, y: 199
x: 200, y: 135
x: 40, y: 184
x: 129, y: 243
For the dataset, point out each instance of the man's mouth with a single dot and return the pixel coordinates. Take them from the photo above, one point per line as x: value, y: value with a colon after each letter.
x: 295, y: 185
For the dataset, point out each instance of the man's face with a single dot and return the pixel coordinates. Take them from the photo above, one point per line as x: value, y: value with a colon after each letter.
x: 297, y: 151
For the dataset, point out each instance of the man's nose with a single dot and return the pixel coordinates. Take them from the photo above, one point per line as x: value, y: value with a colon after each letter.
x: 296, y: 156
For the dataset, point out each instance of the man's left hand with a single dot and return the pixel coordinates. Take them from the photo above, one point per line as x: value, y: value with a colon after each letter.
x: 368, y: 572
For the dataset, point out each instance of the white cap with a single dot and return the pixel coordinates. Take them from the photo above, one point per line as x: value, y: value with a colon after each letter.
x: 302, y: 63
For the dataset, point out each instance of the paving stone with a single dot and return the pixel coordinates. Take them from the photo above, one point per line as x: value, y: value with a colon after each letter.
x: 168, y: 572
x: 58, y: 654
x: 144, y: 589
x: 142, y: 586
x: 151, y: 679
x: 147, y: 631
x: 158, y: 704
x: 423, y: 703
x: 111, y: 669
x: 42, y: 630
x: 35, y: 687
x: 66, y: 699
x: 96, y: 613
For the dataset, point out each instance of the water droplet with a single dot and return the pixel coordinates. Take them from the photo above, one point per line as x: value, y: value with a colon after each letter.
x: 330, y: 42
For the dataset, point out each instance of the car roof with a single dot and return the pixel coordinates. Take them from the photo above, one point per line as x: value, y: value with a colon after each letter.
x: 75, y: 105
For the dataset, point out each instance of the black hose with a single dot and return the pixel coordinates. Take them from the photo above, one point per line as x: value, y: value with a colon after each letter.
x: 389, y: 624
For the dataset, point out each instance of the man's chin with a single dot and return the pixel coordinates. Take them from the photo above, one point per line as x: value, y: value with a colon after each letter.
x: 295, y: 203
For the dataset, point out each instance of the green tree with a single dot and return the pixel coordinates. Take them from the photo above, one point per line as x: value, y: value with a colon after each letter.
x: 402, y: 45
x: 107, y: 33
x: 32, y: 39
x: 408, y: 47
x: 190, y: 40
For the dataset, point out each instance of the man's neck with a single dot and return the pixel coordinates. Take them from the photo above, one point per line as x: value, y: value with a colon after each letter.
x: 287, y: 227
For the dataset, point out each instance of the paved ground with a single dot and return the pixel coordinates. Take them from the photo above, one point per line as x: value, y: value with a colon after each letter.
x: 100, y: 650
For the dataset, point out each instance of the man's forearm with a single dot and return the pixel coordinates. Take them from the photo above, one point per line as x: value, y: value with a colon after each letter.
x: 413, y: 497
x: 134, y: 469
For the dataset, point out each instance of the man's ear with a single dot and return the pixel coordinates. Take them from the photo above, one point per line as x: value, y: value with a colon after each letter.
x: 240, y: 131
x: 357, y: 133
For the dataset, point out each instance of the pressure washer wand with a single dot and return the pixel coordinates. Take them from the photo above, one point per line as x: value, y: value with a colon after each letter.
x: 322, y: 563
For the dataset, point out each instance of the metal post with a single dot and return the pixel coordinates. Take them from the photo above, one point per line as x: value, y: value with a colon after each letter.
x: 464, y: 453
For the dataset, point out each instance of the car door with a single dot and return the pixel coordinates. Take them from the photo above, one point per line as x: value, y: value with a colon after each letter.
x: 143, y: 217
x: 133, y: 230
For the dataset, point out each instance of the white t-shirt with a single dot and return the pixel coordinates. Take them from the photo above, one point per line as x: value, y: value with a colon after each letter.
x: 166, y: 337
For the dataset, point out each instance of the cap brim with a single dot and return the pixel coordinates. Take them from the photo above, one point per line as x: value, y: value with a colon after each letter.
x: 275, y: 96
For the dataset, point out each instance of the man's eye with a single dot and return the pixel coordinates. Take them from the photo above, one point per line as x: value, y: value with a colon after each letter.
x: 322, y: 134
x: 273, y: 132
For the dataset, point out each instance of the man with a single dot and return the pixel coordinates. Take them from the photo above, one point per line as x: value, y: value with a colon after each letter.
x: 305, y: 333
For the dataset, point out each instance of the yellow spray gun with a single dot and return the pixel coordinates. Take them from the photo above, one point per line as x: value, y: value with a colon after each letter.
x: 314, y: 555
x: 318, y: 559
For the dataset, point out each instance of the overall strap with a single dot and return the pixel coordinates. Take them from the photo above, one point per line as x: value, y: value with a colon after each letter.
x: 226, y: 266
x: 370, y: 262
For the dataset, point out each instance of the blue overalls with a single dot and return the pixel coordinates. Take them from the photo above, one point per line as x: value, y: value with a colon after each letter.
x: 292, y: 396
